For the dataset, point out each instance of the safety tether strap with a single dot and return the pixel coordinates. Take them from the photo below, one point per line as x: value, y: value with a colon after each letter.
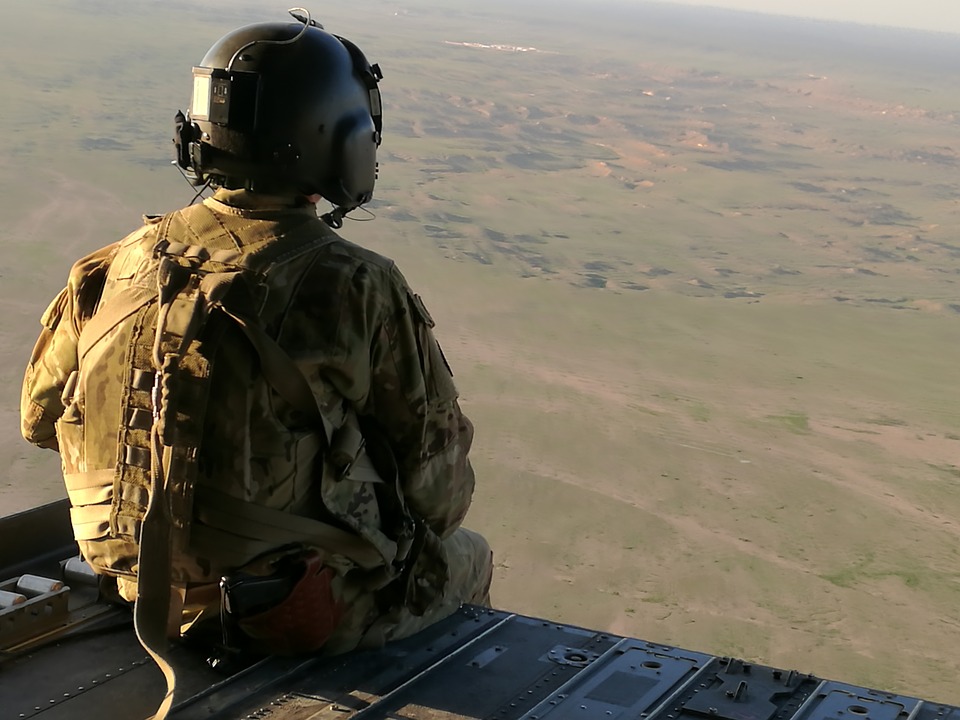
x: 186, y: 294
x: 152, y: 610
x: 154, y: 607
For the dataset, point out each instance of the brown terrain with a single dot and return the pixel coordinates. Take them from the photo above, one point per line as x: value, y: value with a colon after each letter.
x: 701, y: 298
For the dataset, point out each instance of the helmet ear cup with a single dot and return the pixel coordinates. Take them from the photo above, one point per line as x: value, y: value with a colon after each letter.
x: 358, y: 136
x: 355, y: 160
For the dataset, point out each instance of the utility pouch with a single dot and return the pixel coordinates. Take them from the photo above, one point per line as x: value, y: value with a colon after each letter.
x: 293, y: 610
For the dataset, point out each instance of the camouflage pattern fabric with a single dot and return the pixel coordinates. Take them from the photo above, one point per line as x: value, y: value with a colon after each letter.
x: 369, y: 625
x: 361, y: 337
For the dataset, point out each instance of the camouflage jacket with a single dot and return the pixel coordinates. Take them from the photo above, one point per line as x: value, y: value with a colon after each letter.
x: 352, y: 325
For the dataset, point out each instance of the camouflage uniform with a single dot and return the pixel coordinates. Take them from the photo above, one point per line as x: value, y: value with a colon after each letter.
x: 360, y: 335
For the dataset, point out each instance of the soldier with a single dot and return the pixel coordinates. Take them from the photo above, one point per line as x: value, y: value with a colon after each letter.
x: 250, y: 410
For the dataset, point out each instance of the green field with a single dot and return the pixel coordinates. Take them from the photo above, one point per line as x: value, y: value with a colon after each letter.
x: 698, y: 275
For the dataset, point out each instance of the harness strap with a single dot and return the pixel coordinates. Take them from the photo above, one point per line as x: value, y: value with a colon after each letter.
x: 158, y: 608
x: 122, y: 305
x: 228, y: 519
x: 283, y: 375
x: 155, y: 599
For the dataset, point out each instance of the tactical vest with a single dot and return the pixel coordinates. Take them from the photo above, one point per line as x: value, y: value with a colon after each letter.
x: 180, y: 346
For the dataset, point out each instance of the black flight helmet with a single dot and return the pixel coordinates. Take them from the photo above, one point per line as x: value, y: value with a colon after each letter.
x: 284, y: 108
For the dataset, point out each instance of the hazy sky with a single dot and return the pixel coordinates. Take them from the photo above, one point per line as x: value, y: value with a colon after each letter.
x: 922, y: 14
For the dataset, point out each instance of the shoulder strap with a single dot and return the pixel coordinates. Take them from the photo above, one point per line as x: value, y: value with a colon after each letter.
x: 283, y: 374
x: 114, y: 311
